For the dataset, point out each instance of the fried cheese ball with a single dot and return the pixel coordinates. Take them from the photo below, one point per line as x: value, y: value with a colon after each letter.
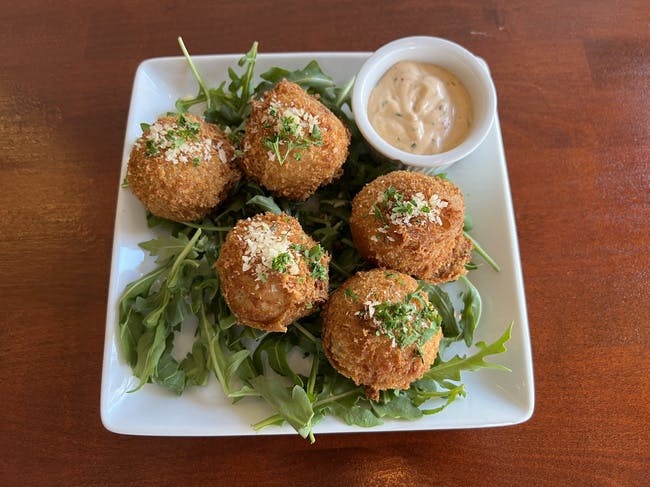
x: 182, y: 167
x: 271, y: 272
x: 381, y: 331
x: 412, y: 223
x: 293, y: 144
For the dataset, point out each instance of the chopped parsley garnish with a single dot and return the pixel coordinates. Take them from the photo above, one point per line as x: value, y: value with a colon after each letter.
x: 413, y: 320
x: 294, y: 131
x: 313, y: 257
x: 395, y: 208
x: 280, y: 262
x: 315, y: 253
x: 173, y: 137
x: 318, y: 271
x: 187, y: 129
x: 152, y: 148
x: 350, y: 294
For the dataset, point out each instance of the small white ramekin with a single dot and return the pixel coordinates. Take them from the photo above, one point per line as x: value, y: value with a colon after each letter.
x: 469, y: 69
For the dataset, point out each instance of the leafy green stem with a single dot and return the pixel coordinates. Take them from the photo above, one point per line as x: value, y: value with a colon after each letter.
x: 305, y: 332
x: 244, y: 392
x: 311, y: 382
x: 195, y: 72
x: 208, y: 228
x: 451, y: 369
x: 271, y: 420
x: 470, y: 316
x: 211, y: 339
x: 481, y: 251
x: 449, y: 396
x: 344, y: 93
x: 178, y: 262
x: 249, y: 58
x: 336, y: 397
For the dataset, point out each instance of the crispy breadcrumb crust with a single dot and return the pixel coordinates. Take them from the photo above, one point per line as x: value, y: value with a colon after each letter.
x: 350, y: 341
x: 318, y: 164
x: 272, y: 304
x: 183, y: 191
x: 425, y: 249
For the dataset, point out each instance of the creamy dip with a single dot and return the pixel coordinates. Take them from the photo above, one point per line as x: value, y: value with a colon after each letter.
x: 420, y: 108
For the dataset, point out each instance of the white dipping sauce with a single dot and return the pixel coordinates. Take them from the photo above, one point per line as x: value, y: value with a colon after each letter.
x: 420, y: 108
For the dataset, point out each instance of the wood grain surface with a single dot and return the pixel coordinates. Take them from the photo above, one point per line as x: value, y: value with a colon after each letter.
x: 573, y: 81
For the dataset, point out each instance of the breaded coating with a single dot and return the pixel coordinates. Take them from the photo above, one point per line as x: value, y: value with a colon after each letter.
x: 358, y: 339
x: 271, y: 272
x: 182, y: 167
x: 293, y: 144
x: 412, y: 223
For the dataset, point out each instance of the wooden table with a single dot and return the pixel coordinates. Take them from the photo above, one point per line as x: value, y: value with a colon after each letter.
x: 573, y: 80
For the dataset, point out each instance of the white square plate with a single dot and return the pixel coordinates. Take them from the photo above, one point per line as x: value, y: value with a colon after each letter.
x: 494, y: 397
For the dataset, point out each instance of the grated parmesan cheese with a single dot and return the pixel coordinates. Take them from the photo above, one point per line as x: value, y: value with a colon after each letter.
x: 401, y: 212
x: 300, y: 120
x: 263, y: 245
x: 165, y: 136
x: 402, y: 322
x: 417, y: 208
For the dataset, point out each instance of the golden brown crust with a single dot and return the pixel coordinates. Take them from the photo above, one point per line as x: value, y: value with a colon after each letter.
x: 281, y: 298
x: 350, y: 341
x: 318, y: 164
x: 425, y: 249
x: 184, y: 191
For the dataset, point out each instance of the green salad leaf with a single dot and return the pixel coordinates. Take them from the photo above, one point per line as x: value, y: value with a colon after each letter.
x: 451, y: 369
x: 291, y: 403
x: 228, y: 106
x: 289, y: 371
x: 471, y: 313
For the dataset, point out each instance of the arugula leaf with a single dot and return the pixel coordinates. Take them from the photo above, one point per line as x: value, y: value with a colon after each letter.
x: 355, y: 414
x: 398, y: 407
x: 293, y: 407
x: 449, y: 395
x: 178, y: 309
x: 423, y: 390
x: 130, y: 324
x: 266, y: 203
x: 224, y: 362
x: 481, y: 251
x: 341, y: 397
x: 195, y: 365
x: 131, y: 329
x: 137, y: 288
x: 316, y: 82
x: 468, y: 223
x: 471, y: 313
x: 275, y: 347
x: 442, y: 302
x: 203, y: 90
x: 310, y: 78
x: 243, y: 83
x: 168, y: 373
x: 229, y: 106
x: 451, y: 369
x: 165, y: 248
x: 150, y: 348
x: 146, y: 319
